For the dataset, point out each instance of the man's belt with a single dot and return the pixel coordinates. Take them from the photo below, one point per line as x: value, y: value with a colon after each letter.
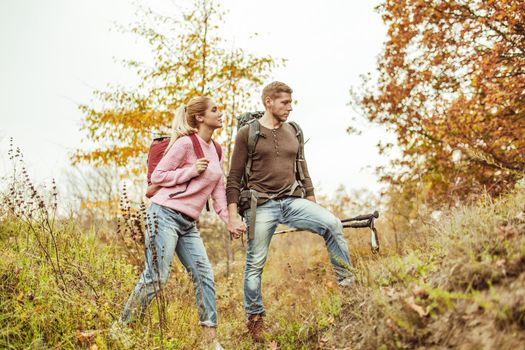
x: 254, y: 196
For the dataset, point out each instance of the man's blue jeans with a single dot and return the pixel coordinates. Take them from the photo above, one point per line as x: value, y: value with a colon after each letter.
x: 293, y: 212
x: 169, y: 232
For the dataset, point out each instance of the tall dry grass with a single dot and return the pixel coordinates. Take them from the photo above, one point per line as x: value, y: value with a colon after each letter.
x: 452, y: 281
x: 63, y: 284
x: 463, y: 287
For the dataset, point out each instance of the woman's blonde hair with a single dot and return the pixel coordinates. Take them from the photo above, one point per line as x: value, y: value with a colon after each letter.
x: 185, y: 120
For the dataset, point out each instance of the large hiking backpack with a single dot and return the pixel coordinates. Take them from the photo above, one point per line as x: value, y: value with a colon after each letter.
x: 248, y: 197
x: 158, y: 147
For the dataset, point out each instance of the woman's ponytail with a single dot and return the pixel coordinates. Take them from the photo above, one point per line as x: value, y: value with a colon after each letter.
x: 180, y: 126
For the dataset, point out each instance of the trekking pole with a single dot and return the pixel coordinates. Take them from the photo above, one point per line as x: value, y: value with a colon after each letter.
x: 363, y: 221
x: 374, y: 215
x: 366, y: 221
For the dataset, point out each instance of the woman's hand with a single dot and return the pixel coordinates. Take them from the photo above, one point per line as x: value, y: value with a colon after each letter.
x: 152, y: 190
x: 201, y: 165
x: 236, y: 228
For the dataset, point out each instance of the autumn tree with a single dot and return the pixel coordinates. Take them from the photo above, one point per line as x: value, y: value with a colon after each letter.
x: 189, y: 58
x: 451, y: 87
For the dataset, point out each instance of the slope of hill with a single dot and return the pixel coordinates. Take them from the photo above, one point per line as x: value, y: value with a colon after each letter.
x: 463, y: 288
x: 460, y: 284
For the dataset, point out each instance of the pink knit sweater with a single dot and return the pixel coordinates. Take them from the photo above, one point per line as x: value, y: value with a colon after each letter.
x: 174, y: 173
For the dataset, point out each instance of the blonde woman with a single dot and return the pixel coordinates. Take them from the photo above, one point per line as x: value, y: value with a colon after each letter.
x: 182, y: 184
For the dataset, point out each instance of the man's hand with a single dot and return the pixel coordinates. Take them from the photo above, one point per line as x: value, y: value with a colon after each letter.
x: 311, y: 198
x: 236, y: 227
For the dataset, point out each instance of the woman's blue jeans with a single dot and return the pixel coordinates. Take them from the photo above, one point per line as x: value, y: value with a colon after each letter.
x: 168, y: 232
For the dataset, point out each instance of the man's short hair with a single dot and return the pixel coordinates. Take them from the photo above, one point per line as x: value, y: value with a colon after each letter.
x: 274, y: 89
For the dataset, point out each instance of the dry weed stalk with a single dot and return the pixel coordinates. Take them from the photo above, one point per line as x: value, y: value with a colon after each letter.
x: 27, y: 204
x: 134, y: 224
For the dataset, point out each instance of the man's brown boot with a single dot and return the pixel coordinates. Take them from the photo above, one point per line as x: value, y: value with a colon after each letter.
x: 255, y: 326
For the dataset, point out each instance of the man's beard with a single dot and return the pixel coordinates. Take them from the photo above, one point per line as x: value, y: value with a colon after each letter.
x: 280, y: 118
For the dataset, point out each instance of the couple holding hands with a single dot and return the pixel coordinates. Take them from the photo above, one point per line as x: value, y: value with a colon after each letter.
x: 183, y: 183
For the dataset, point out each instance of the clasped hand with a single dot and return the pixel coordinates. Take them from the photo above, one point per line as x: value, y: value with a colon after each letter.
x: 236, y: 228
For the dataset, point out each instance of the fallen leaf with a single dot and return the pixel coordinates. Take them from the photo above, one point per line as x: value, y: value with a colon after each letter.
x: 389, y: 292
x: 500, y: 263
x: 324, y: 339
x: 273, y: 345
x: 418, y: 291
x: 330, y: 285
x: 331, y: 319
x: 390, y: 324
x: 86, y: 336
x: 507, y: 231
x: 411, y: 302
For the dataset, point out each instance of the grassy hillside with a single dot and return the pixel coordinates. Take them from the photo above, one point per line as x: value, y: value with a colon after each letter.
x: 459, y: 284
x: 461, y: 287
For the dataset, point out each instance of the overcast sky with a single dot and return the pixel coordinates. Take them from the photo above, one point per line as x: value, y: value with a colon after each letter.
x: 56, y: 52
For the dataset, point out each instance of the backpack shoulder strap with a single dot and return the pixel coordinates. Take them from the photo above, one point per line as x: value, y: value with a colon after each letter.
x: 253, y: 135
x: 197, y: 146
x: 300, y: 137
x: 300, y: 153
x: 200, y: 154
x: 218, y: 148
